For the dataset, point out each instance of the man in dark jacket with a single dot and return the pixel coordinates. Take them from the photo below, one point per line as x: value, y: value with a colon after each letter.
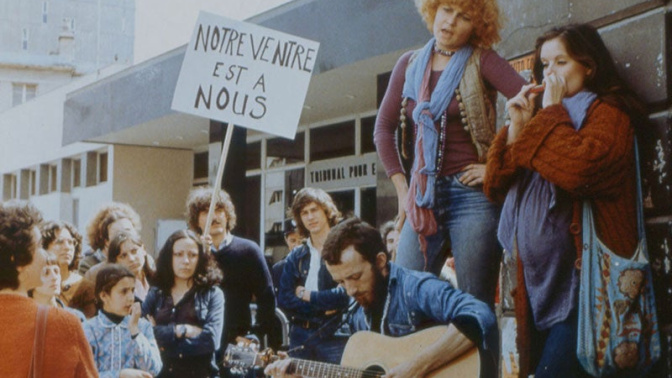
x: 246, y: 274
x: 306, y: 291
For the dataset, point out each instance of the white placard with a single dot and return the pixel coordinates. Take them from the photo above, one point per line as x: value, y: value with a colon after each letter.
x: 245, y: 74
x: 351, y: 171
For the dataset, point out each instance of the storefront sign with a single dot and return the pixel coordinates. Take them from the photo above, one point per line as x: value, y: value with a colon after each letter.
x: 245, y: 74
x: 352, y: 171
x: 524, y: 66
x: 523, y: 63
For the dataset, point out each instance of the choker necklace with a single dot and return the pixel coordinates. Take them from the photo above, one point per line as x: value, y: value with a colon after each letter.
x: 443, y: 52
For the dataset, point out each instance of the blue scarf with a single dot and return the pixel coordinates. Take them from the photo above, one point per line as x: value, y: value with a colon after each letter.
x: 428, y: 112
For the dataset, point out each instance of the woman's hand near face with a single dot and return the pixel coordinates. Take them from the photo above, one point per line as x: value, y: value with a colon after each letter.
x: 520, y: 109
x: 555, y: 91
x: 136, y: 311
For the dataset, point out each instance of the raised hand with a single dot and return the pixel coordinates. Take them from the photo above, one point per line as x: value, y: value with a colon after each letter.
x: 556, y: 89
x: 136, y: 311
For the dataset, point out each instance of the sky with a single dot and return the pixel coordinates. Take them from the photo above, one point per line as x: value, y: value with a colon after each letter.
x: 162, y: 25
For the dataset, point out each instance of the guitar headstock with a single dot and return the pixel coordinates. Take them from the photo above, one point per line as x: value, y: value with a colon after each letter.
x: 243, y: 358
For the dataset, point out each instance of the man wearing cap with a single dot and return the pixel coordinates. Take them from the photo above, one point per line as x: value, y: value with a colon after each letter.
x: 293, y: 239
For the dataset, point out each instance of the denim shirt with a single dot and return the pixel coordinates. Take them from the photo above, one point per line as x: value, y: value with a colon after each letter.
x: 418, y: 300
x: 330, y: 296
x: 209, y: 304
x: 114, y: 349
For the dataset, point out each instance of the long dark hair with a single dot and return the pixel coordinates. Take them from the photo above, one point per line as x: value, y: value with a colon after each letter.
x: 206, y: 274
x: 114, y: 250
x: 584, y: 44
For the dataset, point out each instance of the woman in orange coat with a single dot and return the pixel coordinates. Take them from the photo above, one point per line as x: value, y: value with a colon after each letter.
x: 578, y: 146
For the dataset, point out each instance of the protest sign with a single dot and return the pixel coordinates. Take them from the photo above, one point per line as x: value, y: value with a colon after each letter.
x: 245, y: 74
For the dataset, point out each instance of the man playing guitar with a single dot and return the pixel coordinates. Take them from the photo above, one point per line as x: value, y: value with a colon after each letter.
x: 396, y: 301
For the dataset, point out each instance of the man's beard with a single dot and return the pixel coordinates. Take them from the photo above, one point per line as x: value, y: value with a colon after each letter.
x: 379, y: 289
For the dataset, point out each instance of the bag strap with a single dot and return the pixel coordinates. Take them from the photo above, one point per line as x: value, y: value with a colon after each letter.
x: 38, y: 345
x: 640, y: 201
x: 587, y: 206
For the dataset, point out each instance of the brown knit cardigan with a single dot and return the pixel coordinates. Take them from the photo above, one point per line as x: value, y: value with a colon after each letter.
x: 595, y: 163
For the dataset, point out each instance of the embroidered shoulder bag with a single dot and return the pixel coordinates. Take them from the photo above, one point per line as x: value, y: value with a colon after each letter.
x: 618, y: 327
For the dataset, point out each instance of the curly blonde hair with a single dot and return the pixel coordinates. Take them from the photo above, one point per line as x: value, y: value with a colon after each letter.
x: 484, y: 16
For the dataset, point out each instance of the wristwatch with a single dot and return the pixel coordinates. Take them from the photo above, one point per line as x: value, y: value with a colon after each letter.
x: 301, y: 292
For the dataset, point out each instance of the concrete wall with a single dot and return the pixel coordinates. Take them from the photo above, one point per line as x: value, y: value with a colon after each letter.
x: 154, y: 181
x: 32, y: 133
x: 103, y: 31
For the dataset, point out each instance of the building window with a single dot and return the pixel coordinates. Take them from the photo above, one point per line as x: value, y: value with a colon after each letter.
x: 45, y: 11
x: 368, y: 124
x: 10, y: 187
x: 102, y: 167
x: 253, y: 156
x: 76, y: 173
x: 23, y: 92
x: 201, y: 168
x: 33, y: 182
x: 332, y: 141
x: 281, y: 151
x: 69, y: 24
x: 53, y: 178
x: 75, y: 212
x: 24, y: 38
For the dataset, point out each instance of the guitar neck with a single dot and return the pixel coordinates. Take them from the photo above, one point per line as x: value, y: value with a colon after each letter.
x: 308, y: 368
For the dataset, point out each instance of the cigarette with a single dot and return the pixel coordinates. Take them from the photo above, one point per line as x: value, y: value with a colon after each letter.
x: 538, y: 89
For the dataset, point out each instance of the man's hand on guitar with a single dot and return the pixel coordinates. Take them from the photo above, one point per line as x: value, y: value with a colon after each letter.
x: 278, y: 369
x: 406, y: 369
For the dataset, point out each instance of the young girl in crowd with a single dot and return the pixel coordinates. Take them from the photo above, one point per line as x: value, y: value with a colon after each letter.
x: 123, y: 344
x: 187, y: 307
x: 128, y: 250
x: 578, y: 145
x: 48, y: 292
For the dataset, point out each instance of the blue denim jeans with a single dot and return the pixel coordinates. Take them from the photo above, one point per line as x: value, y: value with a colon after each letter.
x: 327, y: 349
x: 467, y: 221
x: 558, y: 358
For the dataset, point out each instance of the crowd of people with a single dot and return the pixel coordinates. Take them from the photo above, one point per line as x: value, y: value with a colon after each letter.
x: 463, y: 189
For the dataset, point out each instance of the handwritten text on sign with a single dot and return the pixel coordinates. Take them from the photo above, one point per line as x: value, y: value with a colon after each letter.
x: 245, y: 74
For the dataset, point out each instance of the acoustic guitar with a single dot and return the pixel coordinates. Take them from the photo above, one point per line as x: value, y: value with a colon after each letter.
x: 366, y: 355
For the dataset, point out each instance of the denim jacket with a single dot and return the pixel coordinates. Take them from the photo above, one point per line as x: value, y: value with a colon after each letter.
x: 209, y: 304
x: 114, y: 349
x: 330, y: 296
x: 419, y: 300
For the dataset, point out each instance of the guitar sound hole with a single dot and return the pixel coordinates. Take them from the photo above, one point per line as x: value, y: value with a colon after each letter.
x: 374, y: 371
